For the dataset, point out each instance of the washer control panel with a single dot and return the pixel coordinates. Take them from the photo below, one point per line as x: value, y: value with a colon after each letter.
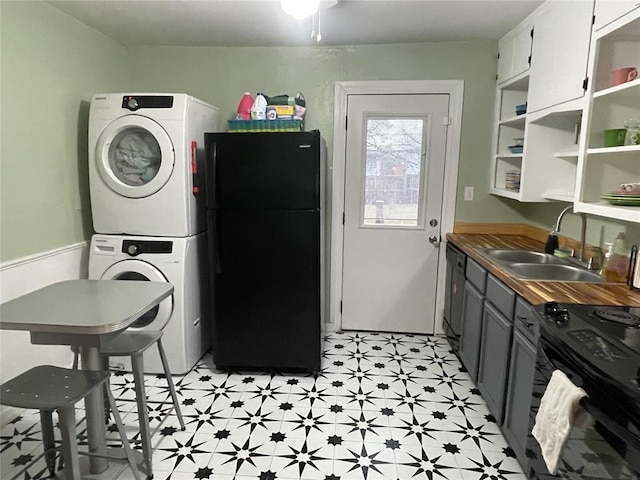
x: 136, y: 102
x: 137, y: 247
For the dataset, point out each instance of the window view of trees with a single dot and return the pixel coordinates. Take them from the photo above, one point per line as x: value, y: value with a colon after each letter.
x: 392, y: 171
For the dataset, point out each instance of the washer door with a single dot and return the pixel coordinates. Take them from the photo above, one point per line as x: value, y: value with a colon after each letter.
x: 157, y: 317
x: 135, y: 156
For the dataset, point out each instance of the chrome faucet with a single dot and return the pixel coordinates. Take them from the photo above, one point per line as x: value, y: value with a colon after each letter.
x: 583, y: 231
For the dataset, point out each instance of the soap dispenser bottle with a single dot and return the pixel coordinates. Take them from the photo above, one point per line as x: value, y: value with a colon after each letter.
x: 552, y: 242
x: 618, y: 267
x: 607, y: 260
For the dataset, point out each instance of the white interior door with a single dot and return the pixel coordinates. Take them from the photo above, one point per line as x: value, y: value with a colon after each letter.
x: 394, y: 174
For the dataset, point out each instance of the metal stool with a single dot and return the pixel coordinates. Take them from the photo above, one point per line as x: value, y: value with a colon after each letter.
x: 47, y: 388
x: 133, y: 345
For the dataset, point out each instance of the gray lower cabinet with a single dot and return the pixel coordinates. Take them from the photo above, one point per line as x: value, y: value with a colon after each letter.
x: 495, y: 345
x: 473, y: 305
x: 471, y: 329
x: 522, y: 371
x: 494, y: 359
x: 516, y: 419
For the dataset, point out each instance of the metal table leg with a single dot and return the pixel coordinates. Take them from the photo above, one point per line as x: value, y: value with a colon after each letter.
x: 94, y: 403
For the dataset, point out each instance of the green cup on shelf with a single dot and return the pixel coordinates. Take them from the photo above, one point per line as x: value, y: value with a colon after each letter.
x: 614, y: 137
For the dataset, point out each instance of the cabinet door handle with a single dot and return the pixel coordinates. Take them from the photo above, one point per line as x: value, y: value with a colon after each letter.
x: 524, y: 321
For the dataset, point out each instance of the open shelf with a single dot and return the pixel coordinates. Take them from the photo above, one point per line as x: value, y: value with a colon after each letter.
x: 559, y: 196
x: 503, y: 192
x: 573, y: 155
x: 624, y: 150
x: 517, y: 121
x: 624, y: 91
x: 604, y: 209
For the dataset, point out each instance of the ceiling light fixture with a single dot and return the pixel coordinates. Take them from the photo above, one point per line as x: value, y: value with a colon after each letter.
x: 300, y: 8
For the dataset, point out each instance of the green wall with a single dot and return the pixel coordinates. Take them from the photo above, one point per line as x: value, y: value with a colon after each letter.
x: 220, y: 76
x: 51, y: 65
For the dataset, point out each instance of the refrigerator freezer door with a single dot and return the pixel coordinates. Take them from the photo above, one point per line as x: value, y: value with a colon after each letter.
x: 263, y: 170
x: 267, y: 288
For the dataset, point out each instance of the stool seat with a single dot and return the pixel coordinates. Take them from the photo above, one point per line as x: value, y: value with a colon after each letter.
x: 48, y: 387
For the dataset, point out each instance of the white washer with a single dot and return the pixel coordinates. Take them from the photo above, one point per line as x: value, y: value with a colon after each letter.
x: 183, y: 316
x: 146, y: 163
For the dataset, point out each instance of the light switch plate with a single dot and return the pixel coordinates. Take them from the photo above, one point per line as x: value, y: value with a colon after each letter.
x: 468, y: 194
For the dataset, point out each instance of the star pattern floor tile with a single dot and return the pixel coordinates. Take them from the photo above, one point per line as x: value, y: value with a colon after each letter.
x: 384, y: 406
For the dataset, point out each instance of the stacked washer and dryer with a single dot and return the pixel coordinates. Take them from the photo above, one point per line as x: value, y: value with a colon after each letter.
x: 146, y: 177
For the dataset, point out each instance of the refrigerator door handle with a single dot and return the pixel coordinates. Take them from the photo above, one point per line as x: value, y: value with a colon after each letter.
x: 212, y: 183
x: 217, y: 264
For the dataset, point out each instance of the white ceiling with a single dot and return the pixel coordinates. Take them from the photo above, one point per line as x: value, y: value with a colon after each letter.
x: 263, y: 23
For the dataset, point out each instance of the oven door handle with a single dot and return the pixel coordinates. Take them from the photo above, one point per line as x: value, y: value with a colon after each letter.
x: 609, y: 423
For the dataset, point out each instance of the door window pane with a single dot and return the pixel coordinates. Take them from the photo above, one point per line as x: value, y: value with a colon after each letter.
x: 134, y: 156
x: 393, y: 172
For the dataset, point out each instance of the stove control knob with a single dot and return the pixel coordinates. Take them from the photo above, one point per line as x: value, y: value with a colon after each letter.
x: 132, y: 103
x: 550, y: 308
x: 133, y: 249
x: 561, y: 317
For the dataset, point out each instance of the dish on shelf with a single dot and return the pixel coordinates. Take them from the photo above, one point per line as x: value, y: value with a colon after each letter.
x: 515, y: 148
x: 624, y: 194
x: 623, y: 199
x: 512, y: 180
x: 518, y: 142
x: 521, y: 109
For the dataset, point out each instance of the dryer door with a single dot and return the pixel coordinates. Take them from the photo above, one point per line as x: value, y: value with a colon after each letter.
x: 134, y: 156
x: 157, y: 317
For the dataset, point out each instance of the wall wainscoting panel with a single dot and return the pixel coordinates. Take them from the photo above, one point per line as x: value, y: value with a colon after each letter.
x: 20, y: 277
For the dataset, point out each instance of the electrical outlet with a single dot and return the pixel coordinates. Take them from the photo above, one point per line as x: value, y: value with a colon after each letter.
x: 468, y: 194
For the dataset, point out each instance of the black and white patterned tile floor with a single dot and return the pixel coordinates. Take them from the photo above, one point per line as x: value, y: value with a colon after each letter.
x: 384, y: 406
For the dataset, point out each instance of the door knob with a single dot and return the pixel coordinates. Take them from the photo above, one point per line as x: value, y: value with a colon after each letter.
x: 434, y: 240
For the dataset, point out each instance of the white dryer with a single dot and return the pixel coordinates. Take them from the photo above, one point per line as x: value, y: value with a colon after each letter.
x: 185, y: 315
x: 146, y: 163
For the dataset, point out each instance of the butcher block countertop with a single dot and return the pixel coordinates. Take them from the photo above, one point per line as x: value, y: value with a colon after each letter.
x: 541, y: 292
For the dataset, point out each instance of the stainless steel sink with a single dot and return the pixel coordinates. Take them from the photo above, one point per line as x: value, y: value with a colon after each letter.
x: 520, y: 256
x: 540, y: 267
x: 553, y: 272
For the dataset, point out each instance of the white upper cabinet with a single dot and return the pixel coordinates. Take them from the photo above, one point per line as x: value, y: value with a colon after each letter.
x: 562, y: 33
x: 607, y: 11
x: 514, y: 52
x: 602, y: 169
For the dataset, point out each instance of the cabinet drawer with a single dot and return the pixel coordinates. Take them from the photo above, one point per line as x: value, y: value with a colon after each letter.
x: 501, y: 296
x: 526, y: 321
x: 476, y: 274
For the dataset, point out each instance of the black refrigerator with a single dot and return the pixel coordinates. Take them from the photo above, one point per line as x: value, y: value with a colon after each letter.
x: 265, y: 232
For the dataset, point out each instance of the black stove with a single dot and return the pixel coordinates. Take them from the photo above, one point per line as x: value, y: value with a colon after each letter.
x: 597, y: 329
x: 598, y: 348
x: 606, y: 338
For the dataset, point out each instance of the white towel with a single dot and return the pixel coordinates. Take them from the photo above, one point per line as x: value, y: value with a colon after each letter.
x: 558, y: 413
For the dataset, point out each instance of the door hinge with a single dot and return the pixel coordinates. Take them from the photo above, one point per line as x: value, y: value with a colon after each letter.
x: 346, y: 121
x: 531, y: 32
x: 529, y: 60
x: 340, y: 306
x: 343, y: 217
x: 593, y: 20
x: 585, y: 83
x: 498, y: 55
x: 446, y: 120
